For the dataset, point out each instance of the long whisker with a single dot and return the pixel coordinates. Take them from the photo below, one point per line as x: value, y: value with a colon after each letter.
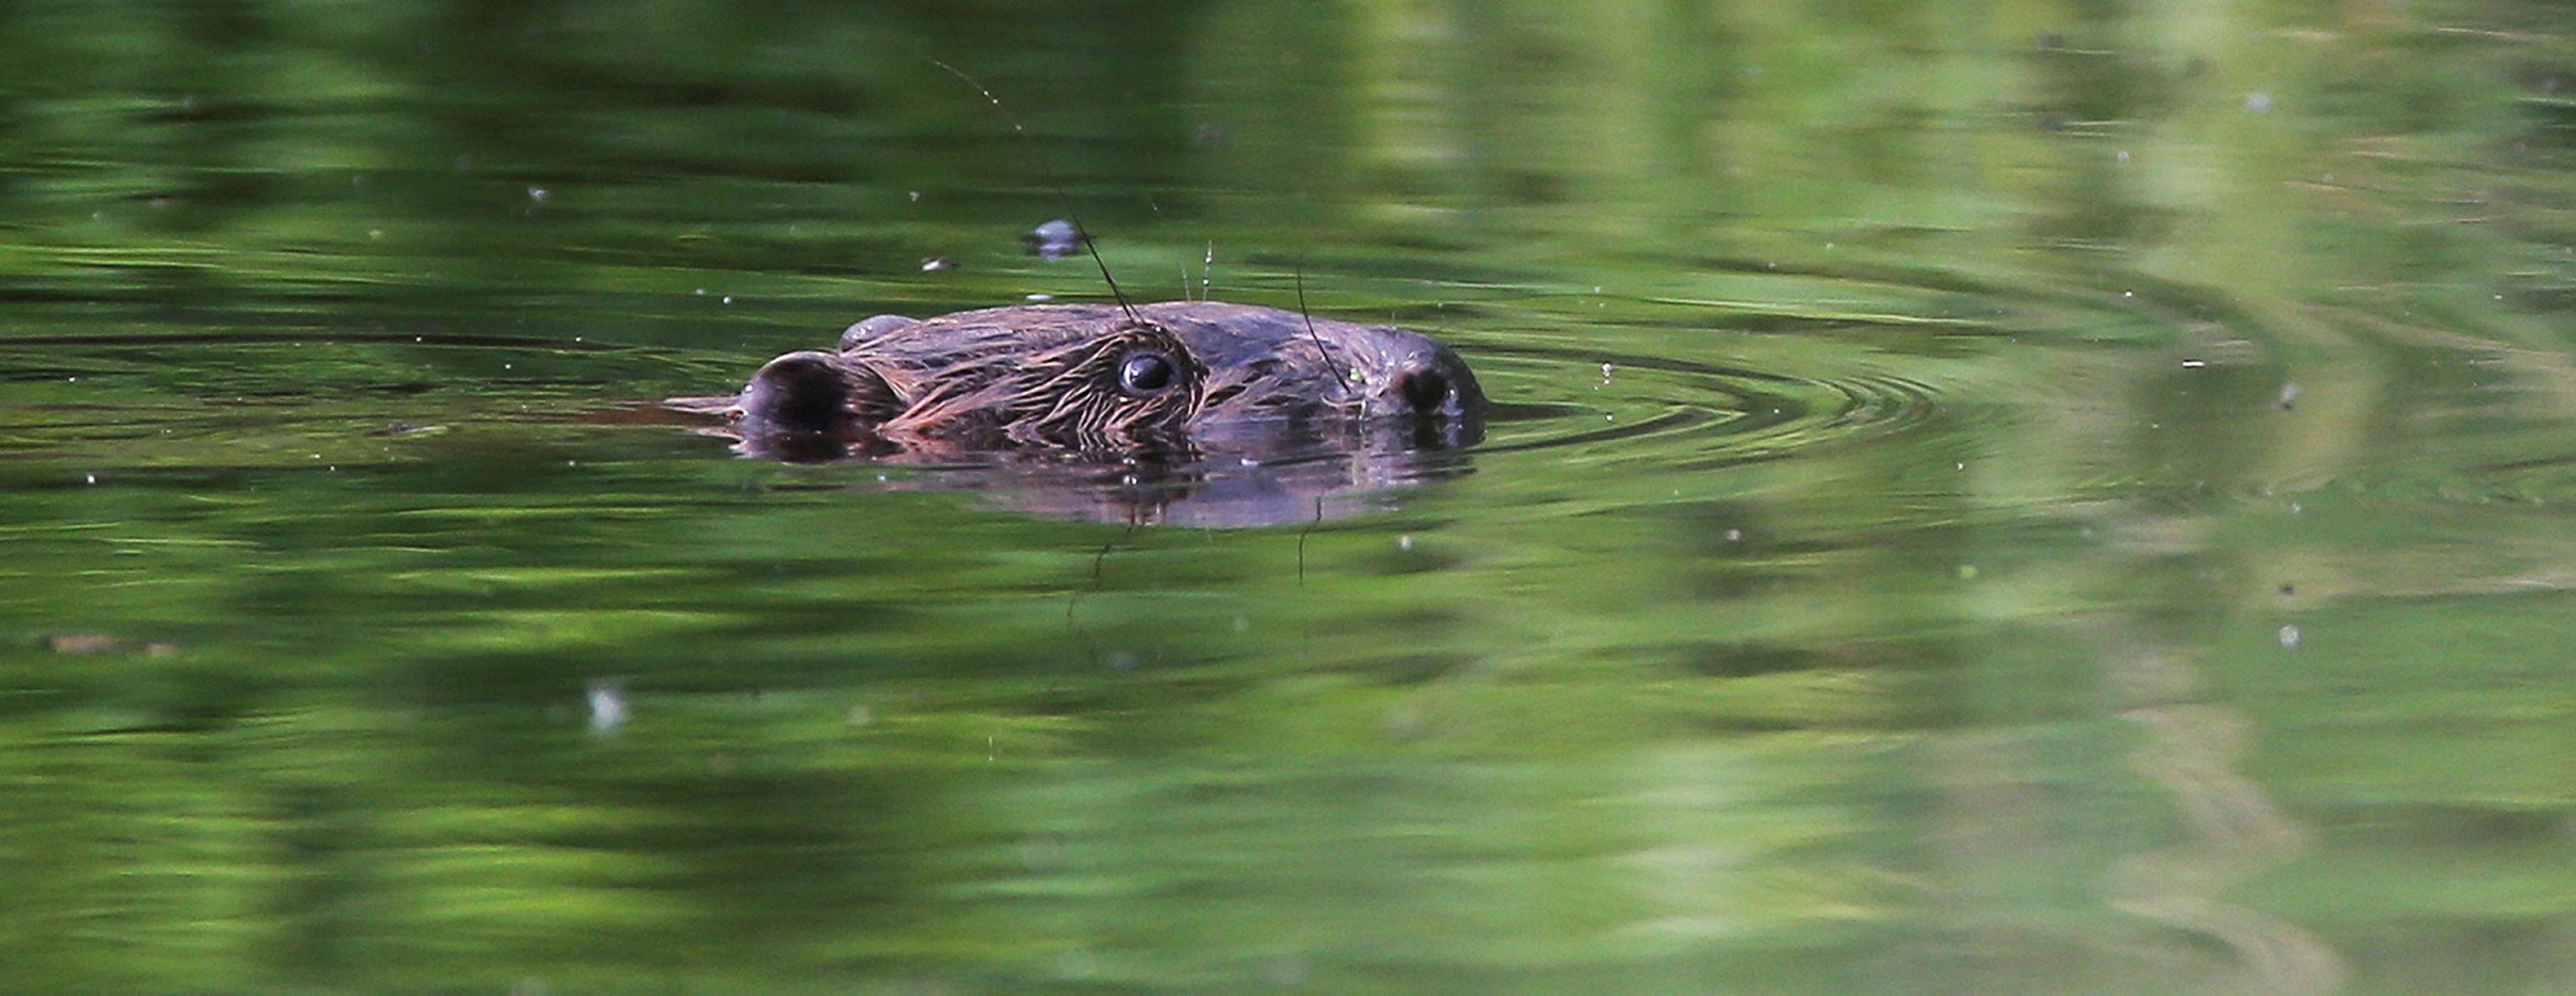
x: 1311, y: 335
x: 1053, y: 180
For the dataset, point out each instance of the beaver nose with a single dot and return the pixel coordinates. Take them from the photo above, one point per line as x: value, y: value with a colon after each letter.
x: 799, y: 392
x: 1438, y: 385
x: 1427, y: 392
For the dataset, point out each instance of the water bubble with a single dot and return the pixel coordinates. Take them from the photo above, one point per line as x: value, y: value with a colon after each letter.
x: 607, y: 705
x: 2289, y: 637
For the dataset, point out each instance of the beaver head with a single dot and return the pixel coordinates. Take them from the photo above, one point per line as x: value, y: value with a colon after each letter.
x: 1099, y: 378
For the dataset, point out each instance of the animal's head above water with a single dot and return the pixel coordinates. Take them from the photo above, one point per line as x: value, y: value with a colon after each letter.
x: 1101, y: 378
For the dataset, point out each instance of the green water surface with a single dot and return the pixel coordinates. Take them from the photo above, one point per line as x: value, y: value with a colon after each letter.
x: 2039, y: 497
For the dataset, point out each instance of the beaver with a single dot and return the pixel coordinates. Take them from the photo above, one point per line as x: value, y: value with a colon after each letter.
x: 1104, y: 379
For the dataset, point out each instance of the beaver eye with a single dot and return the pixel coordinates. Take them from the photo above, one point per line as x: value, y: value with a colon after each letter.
x: 1146, y: 373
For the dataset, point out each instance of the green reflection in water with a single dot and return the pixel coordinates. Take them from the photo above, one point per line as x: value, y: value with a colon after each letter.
x: 2053, y: 498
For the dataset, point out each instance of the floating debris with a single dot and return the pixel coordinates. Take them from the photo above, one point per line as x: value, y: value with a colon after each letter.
x: 104, y: 643
x: 1054, y: 240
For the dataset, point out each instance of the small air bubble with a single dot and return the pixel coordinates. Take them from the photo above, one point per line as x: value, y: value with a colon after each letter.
x: 607, y: 705
x: 89, y: 478
x: 1404, y: 542
x: 1735, y: 535
x: 2289, y: 637
x: 2194, y: 363
x: 728, y: 299
x: 538, y: 193
x: 1041, y: 297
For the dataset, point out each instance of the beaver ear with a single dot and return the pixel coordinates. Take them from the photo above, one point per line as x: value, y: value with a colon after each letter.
x: 816, y: 392
x: 873, y: 328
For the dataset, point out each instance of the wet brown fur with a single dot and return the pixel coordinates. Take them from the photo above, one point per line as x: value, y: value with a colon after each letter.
x: 1048, y: 375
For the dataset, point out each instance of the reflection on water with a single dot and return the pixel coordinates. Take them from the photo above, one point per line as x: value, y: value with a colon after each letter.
x: 2059, y: 499
x: 1211, y: 489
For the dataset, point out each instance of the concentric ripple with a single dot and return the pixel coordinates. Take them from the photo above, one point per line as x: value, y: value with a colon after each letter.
x: 1693, y: 413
